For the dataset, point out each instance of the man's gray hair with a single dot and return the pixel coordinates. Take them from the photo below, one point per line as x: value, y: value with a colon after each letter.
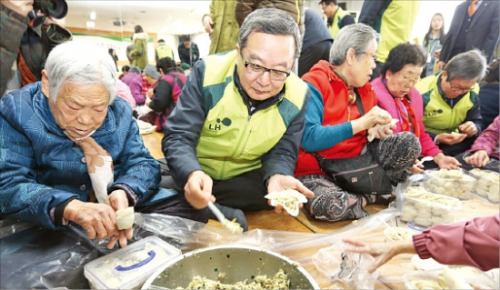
x: 270, y: 21
x: 82, y: 63
x: 357, y: 36
x: 469, y: 65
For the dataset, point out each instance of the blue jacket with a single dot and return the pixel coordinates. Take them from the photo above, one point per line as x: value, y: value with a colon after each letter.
x: 40, y: 167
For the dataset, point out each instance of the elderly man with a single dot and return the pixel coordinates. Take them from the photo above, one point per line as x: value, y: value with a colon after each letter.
x: 67, y: 142
x: 234, y: 134
x: 451, y: 105
x: 340, y: 116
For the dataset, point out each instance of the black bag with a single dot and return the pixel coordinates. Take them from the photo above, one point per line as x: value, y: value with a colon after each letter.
x: 361, y: 174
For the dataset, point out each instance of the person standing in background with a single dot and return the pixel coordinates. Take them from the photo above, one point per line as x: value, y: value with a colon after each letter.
x: 433, y: 41
x: 188, y: 50
x: 475, y: 25
x: 316, y: 42
x: 163, y: 50
x: 336, y: 16
x: 221, y: 26
x: 139, y: 54
x: 113, y: 55
x: 393, y: 20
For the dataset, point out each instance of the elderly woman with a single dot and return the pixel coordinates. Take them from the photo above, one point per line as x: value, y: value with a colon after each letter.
x: 67, y: 142
x: 396, y: 94
x: 335, y: 127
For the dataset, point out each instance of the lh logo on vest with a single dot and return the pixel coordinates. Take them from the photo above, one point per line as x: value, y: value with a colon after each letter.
x: 433, y: 113
x: 218, y: 124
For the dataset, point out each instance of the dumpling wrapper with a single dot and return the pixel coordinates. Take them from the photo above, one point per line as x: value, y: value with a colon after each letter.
x: 378, y: 126
x: 125, y: 218
x: 289, y: 199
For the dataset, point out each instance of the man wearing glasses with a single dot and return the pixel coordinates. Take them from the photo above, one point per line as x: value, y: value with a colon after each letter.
x: 451, y: 106
x: 234, y: 134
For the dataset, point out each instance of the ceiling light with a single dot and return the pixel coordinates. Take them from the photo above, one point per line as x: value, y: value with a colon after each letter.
x: 92, y: 15
x: 90, y: 24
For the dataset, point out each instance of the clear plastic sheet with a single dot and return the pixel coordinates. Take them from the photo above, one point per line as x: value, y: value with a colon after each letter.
x: 38, y: 258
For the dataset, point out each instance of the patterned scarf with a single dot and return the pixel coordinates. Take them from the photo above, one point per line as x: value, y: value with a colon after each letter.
x: 407, y: 116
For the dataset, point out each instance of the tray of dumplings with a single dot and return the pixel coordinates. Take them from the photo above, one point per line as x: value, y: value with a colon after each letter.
x: 454, y: 183
x: 487, y: 184
x: 423, y: 208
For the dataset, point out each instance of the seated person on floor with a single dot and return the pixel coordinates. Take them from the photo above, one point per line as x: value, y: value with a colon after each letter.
x: 396, y: 93
x: 489, y: 94
x: 335, y: 127
x: 484, y: 152
x: 68, y: 142
x: 452, y: 115
x: 234, y: 134
x: 166, y: 92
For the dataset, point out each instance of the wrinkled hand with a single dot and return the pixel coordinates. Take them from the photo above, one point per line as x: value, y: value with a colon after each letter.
x: 468, y: 128
x: 446, y: 162
x: 19, y: 6
x: 208, y: 23
x: 279, y: 182
x: 118, y: 200
x: 97, y: 219
x: 451, y: 138
x: 479, y: 159
x: 198, y: 189
x: 382, y: 252
x: 417, y: 168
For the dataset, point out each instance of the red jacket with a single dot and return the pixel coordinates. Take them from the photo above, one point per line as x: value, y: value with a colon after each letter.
x: 336, y: 110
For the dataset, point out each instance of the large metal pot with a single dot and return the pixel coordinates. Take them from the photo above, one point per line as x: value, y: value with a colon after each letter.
x: 237, y: 262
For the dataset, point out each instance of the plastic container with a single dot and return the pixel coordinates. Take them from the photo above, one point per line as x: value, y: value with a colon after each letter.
x: 426, y: 209
x: 449, y: 278
x: 454, y: 183
x: 130, y: 267
x: 487, y: 184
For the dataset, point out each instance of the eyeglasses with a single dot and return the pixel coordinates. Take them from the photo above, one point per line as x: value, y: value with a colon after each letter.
x: 258, y: 70
x: 409, y: 80
x: 459, y: 89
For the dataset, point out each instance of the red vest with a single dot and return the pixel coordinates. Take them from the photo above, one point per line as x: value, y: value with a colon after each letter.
x: 336, y: 110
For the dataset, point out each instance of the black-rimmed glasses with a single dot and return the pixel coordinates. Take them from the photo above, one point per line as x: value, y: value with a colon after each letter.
x: 258, y: 70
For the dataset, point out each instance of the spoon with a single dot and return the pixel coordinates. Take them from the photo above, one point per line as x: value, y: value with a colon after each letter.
x: 233, y: 227
x: 426, y: 158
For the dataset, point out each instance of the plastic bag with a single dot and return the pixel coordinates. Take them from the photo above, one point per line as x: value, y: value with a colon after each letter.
x: 349, y: 269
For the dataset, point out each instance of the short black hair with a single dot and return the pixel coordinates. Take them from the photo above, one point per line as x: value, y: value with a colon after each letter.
x: 161, y: 40
x: 328, y: 2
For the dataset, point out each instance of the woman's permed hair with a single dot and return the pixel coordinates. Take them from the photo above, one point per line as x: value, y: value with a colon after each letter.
x: 82, y: 63
x: 403, y: 54
x: 357, y: 36
x: 270, y: 21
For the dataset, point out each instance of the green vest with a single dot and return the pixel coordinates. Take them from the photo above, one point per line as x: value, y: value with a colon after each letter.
x: 164, y: 50
x: 231, y: 141
x: 438, y: 116
x: 395, y: 26
x: 337, y: 18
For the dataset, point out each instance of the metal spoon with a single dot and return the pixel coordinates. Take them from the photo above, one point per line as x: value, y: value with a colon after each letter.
x: 426, y: 158
x: 233, y: 227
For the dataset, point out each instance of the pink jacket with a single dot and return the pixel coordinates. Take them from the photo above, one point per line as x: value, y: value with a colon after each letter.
x: 122, y: 90
x: 474, y: 242
x: 488, y: 139
x: 386, y: 102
